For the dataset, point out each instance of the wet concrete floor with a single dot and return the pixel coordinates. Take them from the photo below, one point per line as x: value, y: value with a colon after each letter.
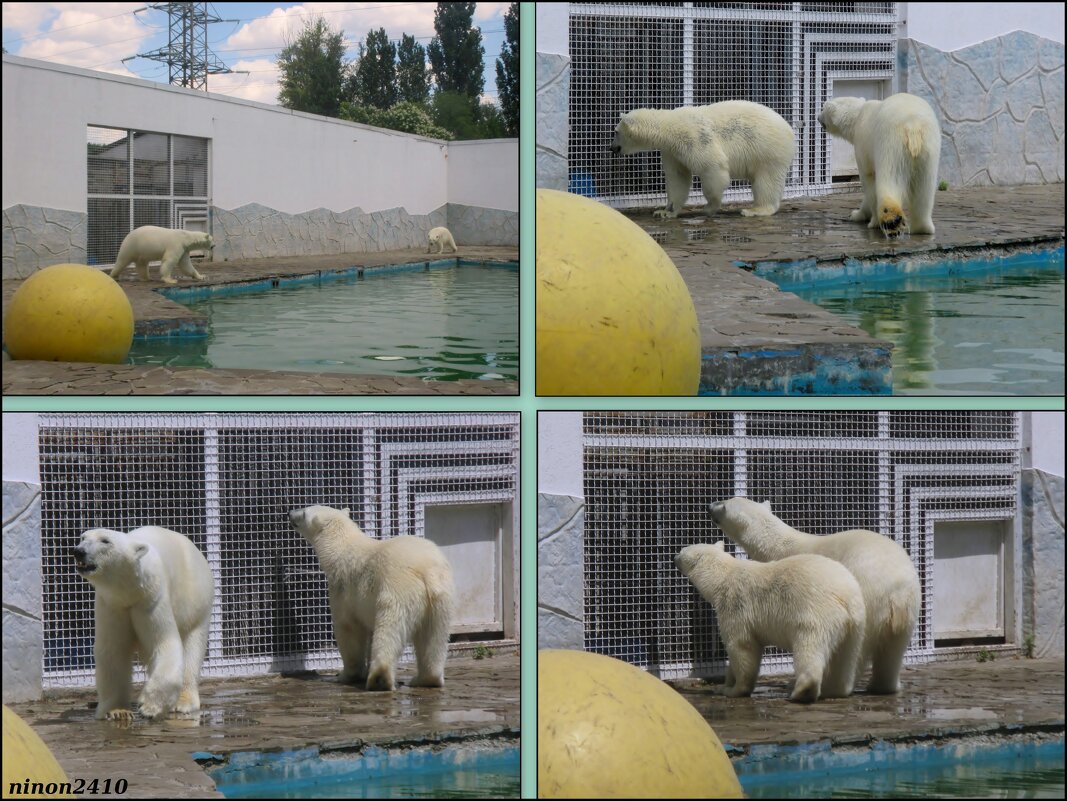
x: 157, y: 315
x: 480, y: 699
x: 940, y: 700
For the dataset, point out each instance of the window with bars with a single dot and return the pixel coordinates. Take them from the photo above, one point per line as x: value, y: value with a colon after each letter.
x: 229, y: 481
x: 140, y: 178
x: 786, y: 56
x: 650, y: 477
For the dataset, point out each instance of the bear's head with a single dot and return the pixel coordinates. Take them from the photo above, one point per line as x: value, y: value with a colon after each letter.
x: 738, y: 513
x: 624, y: 142
x: 312, y: 521
x: 838, y: 116
x: 108, y: 556
x: 692, y: 555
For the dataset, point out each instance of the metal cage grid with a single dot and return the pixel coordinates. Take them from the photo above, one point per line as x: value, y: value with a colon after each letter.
x: 649, y: 478
x: 228, y: 481
x: 140, y: 178
x: 665, y: 55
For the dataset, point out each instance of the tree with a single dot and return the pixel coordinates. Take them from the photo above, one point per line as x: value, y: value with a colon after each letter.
x: 456, y: 51
x: 407, y: 117
x: 507, y: 71
x: 312, y: 67
x: 373, y: 82
x: 411, y: 80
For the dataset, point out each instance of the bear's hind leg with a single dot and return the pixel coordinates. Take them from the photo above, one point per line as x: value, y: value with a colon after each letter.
x: 194, y: 648
x: 886, y: 661
x: 809, y: 665
x: 387, y: 642
x: 353, y: 641
x: 923, y: 190
x: 768, y: 186
x: 431, y: 643
x: 844, y: 665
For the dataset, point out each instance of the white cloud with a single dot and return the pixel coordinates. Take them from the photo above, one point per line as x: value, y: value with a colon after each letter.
x: 261, y: 84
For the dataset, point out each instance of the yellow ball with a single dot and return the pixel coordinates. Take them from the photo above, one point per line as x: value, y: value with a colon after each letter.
x: 614, y: 317
x: 27, y: 759
x: 606, y: 729
x: 69, y: 313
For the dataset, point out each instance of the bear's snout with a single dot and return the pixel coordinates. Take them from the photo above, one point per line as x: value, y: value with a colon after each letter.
x: 718, y: 509
x: 81, y: 560
x: 616, y: 149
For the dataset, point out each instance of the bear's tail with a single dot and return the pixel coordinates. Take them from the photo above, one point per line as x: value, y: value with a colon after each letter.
x: 914, y: 134
x: 441, y: 598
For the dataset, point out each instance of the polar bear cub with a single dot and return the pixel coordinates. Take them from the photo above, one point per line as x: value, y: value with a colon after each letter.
x: 383, y: 594
x: 717, y: 143
x: 898, y: 145
x: 891, y: 590
x: 153, y: 596
x: 170, y: 246
x: 439, y: 238
x: 807, y: 604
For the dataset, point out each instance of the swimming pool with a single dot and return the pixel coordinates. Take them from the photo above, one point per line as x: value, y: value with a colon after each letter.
x: 959, y: 327
x: 481, y: 769
x: 434, y: 322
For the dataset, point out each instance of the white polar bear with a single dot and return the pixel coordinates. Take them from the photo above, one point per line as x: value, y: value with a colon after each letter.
x: 898, y: 144
x: 440, y: 237
x: 890, y: 584
x: 170, y: 246
x: 383, y: 594
x: 717, y: 143
x: 807, y: 604
x: 153, y: 595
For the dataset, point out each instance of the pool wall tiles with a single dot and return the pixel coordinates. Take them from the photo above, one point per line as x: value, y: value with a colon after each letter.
x: 560, y: 571
x: 23, y: 626
x: 1000, y: 103
x: 1043, y: 554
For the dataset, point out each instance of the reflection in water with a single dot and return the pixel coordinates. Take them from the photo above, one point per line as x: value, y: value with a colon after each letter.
x: 448, y: 323
x: 997, y: 332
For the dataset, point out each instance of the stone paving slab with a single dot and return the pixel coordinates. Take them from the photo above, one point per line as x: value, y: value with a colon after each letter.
x: 938, y: 700
x: 77, y: 378
x: 757, y: 339
x: 157, y: 315
x: 273, y: 713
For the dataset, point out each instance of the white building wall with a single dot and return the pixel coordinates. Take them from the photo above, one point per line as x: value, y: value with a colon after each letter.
x: 1047, y: 442
x: 470, y: 165
x: 950, y: 26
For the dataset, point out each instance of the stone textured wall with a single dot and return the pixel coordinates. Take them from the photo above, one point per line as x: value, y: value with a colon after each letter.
x: 35, y: 238
x: 1043, y: 589
x: 1000, y: 103
x: 553, y: 100
x: 23, y: 626
x: 560, y: 572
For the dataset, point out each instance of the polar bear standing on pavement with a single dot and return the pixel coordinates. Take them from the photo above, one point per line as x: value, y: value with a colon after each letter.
x: 153, y: 596
x: 808, y: 604
x: 170, y: 246
x: 717, y: 143
x: 440, y: 238
x: 898, y: 145
x: 383, y: 594
x: 890, y: 584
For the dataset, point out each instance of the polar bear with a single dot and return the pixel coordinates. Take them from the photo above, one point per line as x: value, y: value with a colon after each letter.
x: 170, y: 246
x: 898, y: 144
x: 718, y: 143
x: 890, y: 584
x: 153, y: 595
x: 808, y: 604
x: 441, y: 237
x: 383, y: 594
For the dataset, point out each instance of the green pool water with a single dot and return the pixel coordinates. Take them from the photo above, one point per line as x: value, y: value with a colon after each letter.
x: 443, y: 323
x: 998, y: 330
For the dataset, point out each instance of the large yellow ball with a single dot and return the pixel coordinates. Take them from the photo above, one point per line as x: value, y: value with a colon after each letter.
x: 27, y: 759
x: 606, y: 729
x: 69, y: 313
x: 614, y: 317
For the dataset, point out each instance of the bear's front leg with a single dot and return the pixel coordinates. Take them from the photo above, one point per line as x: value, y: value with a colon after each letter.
x: 113, y: 654
x: 679, y: 180
x: 745, y: 660
x: 160, y: 648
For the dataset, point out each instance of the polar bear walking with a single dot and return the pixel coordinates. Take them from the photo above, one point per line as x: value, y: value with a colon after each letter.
x: 153, y: 596
x: 898, y: 145
x: 808, y: 604
x: 440, y: 238
x: 717, y: 143
x: 169, y: 246
x: 383, y: 594
x: 891, y: 590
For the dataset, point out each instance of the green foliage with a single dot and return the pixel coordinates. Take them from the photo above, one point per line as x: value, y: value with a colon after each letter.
x: 456, y: 51
x: 458, y: 113
x: 507, y: 72
x: 373, y: 81
x: 408, y: 117
x: 985, y: 656
x: 942, y: 186
x: 1028, y: 646
x: 483, y: 652
x: 312, y: 67
x: 412, y: 81
x: 491, y: 122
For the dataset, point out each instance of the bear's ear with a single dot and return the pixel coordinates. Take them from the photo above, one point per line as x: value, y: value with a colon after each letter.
x: 347, y: 512
x: 766, y: 505
x: 139, y: 550
x: 719, y: 546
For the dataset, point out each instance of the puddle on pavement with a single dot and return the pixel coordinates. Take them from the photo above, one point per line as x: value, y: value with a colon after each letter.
x: 468, y: 716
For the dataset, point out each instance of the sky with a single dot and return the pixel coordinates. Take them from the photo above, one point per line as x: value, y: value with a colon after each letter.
x: 98, y: 36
